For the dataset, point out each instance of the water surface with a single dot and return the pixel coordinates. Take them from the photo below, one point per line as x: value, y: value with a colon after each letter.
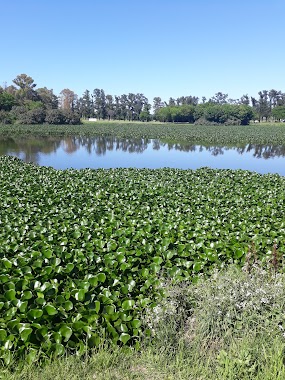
x: 112, y: 152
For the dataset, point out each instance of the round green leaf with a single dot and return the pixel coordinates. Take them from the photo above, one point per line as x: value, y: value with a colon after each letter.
x: 50, y: 310
x: 66, y: 332
x: 101, y: 277
x: 128, y: 304
x: 124, y: 337
x: 34, y: 314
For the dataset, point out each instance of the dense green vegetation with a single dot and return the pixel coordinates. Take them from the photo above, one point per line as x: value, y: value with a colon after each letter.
x: 273, y: 134
x: 84, y: 253
x: 229, y: 326
x: 24, y: 104
x: 207, y: 113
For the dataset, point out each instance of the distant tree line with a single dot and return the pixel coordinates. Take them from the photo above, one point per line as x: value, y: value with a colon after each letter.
x: 23, y: 103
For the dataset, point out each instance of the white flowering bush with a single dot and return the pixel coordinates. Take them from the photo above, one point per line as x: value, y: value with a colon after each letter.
x: 230, y: 303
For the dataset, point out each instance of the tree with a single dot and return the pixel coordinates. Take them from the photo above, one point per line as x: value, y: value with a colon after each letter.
x: 34, y: 116
x: 48, y: 98
x: 157, y: 104
x: 118, y: 114
x: 171, y: 102
x: 24, y: 81
x: 54, y: 116
x: 67, y: 99
x: 244, y: 100
x: 183, y: 100
x: 123, y: 106
x: 279, y: 112
x: 145, y: 115
x: 7, y: 101
x: 215, y: 113
x: 130, y: 106
x: 110, y: 107
x: 191, y: 100
x: 273, y: 98
x: 219, y: 98
x: 211, y: 113
x: 99, y: 101
x: 86, y: 105
x: 163, y: 114
x: 61, y: 116
x: 187, y: 113
x: 263, y: 108
x: 241, y: 112
x: 26, y: 87
x: 11, y: 90
x: 139, y: 102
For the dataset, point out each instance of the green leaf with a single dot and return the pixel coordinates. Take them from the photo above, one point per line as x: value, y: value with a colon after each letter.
x: 136, y: 323
x: 101, y: 277
x: 57, y: 349
x: 109, y: 309
x: 34, y: 314
x: 94, y: 341
x: 197, y: 266
x: 25, y: 332
x: 3, y: 335
x: 7, y: 263
x: 69, y: 267
x: 124, y: 337
x: 157, y: 260
x: 31, y: 356
x: 68, y: 305
x: 66, y: 332
x: 4, y: 278
x: 80, y: 295
x: 47, y: 253
x: 57, y: 337
x: 10, y: 294
x: 76, y: 234
x: 42, y: 333
x: 50, y: 310
x: 27, y: 294
x: 93, y: 280
x: 128, y: 304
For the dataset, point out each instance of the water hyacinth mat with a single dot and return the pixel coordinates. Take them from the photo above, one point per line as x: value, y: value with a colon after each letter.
x: 84, y: 252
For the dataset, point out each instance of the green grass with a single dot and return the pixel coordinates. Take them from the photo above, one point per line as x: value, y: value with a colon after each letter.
x: 273, y: 134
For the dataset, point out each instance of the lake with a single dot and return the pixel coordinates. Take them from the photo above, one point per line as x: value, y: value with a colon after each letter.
x: 111, y: 152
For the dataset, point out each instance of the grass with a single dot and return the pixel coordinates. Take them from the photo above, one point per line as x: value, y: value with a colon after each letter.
x: 200, y: 331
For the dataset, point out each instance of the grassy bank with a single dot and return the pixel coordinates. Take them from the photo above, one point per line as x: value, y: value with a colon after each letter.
x: 273, y: 134
x: 226, y: 327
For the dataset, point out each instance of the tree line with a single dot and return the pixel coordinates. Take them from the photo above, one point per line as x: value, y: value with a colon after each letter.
x: 23, y: 103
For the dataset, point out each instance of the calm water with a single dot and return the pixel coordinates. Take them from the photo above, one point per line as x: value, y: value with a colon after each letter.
x: 111, y: 152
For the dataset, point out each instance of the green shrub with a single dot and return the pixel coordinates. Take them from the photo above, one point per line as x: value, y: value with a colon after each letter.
x: 6, y: 117
x: 33, y: 116
x: 54, y: 116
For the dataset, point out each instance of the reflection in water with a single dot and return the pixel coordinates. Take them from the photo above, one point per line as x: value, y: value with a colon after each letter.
x: 257, y: 151
x: 29, y: 148
x: 101, y: 144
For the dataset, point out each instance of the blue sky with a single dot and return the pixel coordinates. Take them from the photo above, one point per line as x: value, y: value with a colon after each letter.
x: 155, y: 47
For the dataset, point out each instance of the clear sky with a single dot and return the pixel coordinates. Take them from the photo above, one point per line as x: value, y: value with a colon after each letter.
x: 155, y: 47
